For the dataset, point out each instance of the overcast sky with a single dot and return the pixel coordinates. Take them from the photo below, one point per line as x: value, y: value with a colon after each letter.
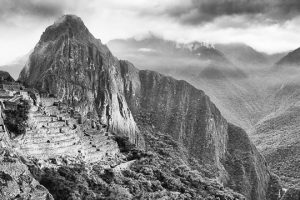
x: 267, y: 25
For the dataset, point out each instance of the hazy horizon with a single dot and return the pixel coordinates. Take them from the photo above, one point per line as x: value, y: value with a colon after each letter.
x: 267, y: 26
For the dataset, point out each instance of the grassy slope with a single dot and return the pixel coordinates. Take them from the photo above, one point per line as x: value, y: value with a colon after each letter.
x: 277, y: 136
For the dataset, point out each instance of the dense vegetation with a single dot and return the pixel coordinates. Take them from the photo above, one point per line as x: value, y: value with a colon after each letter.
x: 161, y: 171
x: 15, y: 119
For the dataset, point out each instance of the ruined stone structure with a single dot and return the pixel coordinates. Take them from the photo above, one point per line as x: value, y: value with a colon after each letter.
x: 52, y: 133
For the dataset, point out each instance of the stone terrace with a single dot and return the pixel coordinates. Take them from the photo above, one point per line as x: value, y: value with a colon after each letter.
x: 52, y: 132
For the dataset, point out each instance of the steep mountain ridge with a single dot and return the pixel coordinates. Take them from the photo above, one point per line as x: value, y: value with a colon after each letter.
x: 292, y: 59
x: 69, y: 63
x: 182, y: 111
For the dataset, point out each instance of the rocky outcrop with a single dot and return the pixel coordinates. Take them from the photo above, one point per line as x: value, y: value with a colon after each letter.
x: 69, y: 63
x: 16, y: 181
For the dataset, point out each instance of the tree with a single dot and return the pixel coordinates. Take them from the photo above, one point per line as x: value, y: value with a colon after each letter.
x: 16, y: 120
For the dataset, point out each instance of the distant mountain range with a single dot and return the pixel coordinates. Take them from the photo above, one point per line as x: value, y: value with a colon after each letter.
x: 15, y: 67
x: 246, y: 56
x: 202, y: 59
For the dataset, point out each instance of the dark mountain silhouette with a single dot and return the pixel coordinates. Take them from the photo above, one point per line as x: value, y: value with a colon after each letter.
x: 5, y: 77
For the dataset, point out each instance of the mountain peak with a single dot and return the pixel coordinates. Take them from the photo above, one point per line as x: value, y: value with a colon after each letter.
x: 68, y: 19
x: 68, y: 25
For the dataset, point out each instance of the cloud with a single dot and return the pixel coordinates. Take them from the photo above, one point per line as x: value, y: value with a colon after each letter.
x: 196, y: 12
x: 267, y: 25
x: 30, y: 8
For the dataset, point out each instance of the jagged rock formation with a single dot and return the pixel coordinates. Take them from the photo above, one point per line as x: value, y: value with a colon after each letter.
x: 71, y: 64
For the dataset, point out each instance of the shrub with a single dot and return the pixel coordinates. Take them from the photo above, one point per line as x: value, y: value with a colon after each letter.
x: 16, y: 120
x: 108, y: 175
x: 124, y: 144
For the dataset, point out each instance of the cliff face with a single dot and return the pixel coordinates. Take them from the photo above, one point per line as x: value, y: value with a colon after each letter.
x: 177, y: 108
x: 71, y: 64
x: 180, y: 110
x: 247, y: 169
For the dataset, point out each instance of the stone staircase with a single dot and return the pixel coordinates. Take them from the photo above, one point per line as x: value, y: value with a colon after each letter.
x: 52, y: 132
